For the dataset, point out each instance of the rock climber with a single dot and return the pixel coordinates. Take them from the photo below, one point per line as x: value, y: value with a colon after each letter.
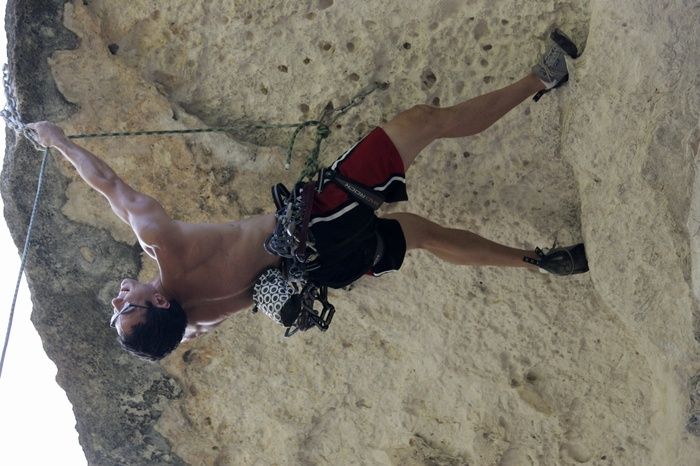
x: 207, y: 271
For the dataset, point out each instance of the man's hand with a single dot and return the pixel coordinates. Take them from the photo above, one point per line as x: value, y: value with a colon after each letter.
x: 48, y: 134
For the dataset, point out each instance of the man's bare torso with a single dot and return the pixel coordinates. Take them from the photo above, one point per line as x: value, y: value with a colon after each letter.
x: 211, y: 268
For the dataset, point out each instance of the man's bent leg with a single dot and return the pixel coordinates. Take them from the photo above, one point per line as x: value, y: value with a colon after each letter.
x: 412, y: 130
x: 456, y: 246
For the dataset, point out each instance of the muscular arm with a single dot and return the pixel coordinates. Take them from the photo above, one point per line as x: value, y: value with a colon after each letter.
x: 144, y: 214
x: 100, y: 177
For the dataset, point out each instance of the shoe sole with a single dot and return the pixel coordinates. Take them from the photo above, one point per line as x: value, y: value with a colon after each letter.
x: 566, y: 44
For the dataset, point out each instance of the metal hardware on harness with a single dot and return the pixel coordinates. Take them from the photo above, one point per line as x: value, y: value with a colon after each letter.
x: 292, y: 239
x: 308, y: 316
x: 307, y: 201
x: 290, y: 303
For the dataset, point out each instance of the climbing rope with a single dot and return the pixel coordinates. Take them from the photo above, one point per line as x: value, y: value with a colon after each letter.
x: 25, y: 251
x: 13, y: 120
x: 311, y: 166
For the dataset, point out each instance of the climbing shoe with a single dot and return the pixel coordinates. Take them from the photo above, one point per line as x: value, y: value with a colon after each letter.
x: 561, y: 261
x: 551, y: 69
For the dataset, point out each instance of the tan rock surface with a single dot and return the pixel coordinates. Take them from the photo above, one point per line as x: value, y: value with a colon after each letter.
x: 436, y: 364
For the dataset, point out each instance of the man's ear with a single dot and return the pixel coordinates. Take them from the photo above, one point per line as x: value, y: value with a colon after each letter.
x: 161, y: 301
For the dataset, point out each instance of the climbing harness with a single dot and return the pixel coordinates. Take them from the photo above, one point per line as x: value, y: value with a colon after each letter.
x: 287, y: 295
x: 328, y: 117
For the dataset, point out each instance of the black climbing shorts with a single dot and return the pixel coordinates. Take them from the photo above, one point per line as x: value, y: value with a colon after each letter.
x: 350, y: 238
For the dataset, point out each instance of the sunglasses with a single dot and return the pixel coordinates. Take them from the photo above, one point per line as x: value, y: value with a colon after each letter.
x: 127, y: 309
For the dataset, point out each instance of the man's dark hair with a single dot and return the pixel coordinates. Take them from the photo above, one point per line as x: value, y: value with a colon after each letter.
x: 159, y: 334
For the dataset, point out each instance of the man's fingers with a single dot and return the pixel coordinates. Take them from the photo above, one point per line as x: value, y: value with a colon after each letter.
x: 33, y: 128
x: 35, y: 125
x: 32, y: 131
x: 34, y: 138
x: 44, y: 133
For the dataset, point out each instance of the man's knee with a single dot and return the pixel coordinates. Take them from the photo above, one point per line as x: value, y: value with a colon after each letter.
x: 413, y: 129
x: 418, y: 231
x: 423, y: 115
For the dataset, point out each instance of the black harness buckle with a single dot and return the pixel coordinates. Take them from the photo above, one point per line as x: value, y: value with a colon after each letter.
x: 310, y: 317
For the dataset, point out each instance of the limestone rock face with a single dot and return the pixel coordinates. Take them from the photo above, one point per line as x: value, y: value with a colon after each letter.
x: 436, y: 364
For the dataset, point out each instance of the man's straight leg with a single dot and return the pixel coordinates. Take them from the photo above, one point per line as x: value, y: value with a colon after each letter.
x: 414, y: 129
x: 456, y: 246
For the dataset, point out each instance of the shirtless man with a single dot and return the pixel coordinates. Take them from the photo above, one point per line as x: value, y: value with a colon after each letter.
x: 197, y: 287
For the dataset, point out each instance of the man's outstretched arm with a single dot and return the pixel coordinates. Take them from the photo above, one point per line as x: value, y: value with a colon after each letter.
x: 143, y: 213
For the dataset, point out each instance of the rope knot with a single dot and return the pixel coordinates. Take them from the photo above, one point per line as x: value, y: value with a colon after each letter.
x: 323, y: 131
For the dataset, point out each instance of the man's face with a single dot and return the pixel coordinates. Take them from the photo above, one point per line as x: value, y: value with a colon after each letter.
x: 131, y: 292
